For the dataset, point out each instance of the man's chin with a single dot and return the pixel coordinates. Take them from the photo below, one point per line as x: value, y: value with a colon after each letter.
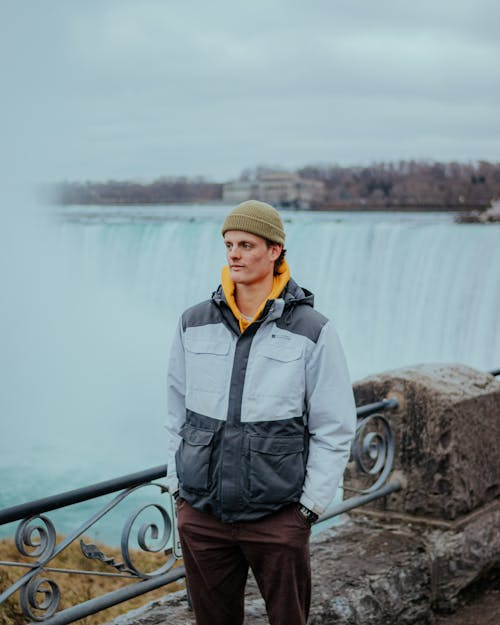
x: 236, y: 276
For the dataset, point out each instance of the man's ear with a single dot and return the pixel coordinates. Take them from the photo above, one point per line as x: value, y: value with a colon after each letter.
x: 276, y: 250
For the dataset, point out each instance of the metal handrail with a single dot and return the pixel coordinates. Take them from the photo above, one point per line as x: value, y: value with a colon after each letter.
x: 368, y: 409
x: 393, y: 486
x: 86, y: 493
x: 70, y: 497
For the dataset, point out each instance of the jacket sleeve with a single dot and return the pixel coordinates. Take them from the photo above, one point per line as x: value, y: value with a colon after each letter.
x: 331, y: 420
x: 176, y: 413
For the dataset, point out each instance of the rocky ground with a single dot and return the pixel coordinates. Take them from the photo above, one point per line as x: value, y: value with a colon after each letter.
x: 479, y: 607
x: 379, y: 576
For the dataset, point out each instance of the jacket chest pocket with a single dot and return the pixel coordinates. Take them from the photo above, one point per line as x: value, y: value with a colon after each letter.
x: 279, y: 371
x: 277, y: 468
x: 193, y: 458
x: 207, y: 364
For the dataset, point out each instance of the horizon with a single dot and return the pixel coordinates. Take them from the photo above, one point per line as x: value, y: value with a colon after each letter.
x: 279, y: 169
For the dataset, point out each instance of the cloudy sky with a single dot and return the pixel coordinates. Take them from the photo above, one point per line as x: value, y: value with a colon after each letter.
x: 100, y: 89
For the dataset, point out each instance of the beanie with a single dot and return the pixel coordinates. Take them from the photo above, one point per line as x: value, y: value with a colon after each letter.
x: 257, y: 218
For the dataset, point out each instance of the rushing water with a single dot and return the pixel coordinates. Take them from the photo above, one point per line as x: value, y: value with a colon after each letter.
x: 93, y: 301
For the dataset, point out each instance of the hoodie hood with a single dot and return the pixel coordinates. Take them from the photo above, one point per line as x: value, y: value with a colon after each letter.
x: 297, y: 295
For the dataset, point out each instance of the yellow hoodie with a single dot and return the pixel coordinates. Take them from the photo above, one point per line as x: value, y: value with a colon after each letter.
x: 228, y: 286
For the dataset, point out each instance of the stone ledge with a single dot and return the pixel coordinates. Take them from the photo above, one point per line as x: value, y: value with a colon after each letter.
x: 446, y: 431
x: 368, y: 573
x: 389, y: 516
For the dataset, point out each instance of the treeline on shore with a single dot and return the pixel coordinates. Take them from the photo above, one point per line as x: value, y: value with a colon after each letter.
x: 161, y: 191
x: 381, y: 185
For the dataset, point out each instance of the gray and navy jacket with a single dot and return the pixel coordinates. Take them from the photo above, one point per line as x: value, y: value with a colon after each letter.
x: 259, y: 419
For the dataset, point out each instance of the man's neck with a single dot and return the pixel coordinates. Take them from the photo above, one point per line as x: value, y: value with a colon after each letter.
x: 250, y: 296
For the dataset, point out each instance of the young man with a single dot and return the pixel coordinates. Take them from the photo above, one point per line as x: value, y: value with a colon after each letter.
x: 260, y: 420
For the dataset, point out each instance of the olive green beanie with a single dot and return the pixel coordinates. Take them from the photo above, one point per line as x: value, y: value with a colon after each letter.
x: 257, y: 218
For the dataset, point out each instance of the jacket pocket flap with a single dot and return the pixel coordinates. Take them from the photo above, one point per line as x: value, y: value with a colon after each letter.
x: 196, y: 437
x: 284, y: 353
x: 277, y: 445
x: 206, y: 346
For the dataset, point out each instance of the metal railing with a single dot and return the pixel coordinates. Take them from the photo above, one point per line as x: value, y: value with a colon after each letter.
x: 35, y: 539
x: 35, y: 536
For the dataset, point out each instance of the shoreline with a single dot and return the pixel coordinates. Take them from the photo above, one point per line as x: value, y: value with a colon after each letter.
x: 333, y: 208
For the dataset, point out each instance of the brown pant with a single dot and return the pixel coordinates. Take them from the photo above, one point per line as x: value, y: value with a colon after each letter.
x: 217, y: 556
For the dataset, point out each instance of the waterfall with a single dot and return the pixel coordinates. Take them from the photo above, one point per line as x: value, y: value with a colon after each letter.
x: 404, y: 293
x: 400, y: 292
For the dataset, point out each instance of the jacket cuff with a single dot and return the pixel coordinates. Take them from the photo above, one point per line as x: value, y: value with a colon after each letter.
x: 308, y: 503
x: 172, y: 485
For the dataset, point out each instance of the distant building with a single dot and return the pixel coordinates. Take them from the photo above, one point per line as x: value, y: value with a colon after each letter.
x: 282, y: 189
x: 238, y: 191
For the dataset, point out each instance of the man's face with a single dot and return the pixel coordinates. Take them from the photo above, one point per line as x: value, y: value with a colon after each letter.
x: 249, y: 257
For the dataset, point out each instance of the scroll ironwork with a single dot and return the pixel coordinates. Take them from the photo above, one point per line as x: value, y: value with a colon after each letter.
x: 373, y: 449
x: 36, y: 540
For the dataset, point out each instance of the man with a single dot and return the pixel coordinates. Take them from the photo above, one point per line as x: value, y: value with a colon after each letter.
x: 261, y: 417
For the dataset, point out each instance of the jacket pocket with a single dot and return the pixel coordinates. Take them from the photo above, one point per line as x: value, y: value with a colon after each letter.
x: 279, y: 371
x: 276, y: 468
x: 193, y: 458
x: 206, y: 364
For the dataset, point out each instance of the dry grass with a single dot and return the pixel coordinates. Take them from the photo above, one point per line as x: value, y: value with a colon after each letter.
x: 78, y: 588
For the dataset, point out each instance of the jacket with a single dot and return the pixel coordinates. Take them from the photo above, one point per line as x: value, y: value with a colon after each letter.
x: 259, y: 419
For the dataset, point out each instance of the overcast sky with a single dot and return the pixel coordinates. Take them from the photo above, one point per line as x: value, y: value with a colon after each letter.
x: 100, y: 89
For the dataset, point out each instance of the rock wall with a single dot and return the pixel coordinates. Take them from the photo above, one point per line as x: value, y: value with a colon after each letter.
x: 446, y: 431
x: 461, y: 554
